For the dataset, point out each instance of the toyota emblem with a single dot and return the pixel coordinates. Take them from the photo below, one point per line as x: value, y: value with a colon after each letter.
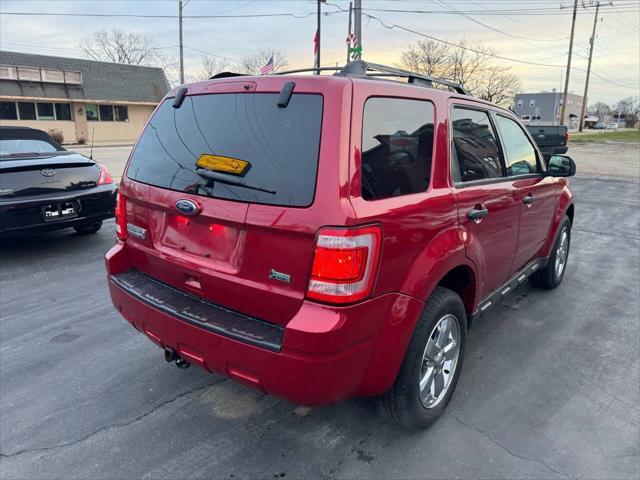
x: 48, y: 172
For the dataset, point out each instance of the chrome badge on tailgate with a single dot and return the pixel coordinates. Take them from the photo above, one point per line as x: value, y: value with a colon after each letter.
x: 137, y: 231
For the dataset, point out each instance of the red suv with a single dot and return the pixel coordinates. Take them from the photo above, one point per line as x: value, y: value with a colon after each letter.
x: 325, y: 237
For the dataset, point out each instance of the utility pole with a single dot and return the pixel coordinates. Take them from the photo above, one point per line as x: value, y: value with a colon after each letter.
x: 320, y: 2
x: 349, y: 35
x: 566, y: 80
x: 357, y: 23
x: 181, y: 45
x: 592, y: 40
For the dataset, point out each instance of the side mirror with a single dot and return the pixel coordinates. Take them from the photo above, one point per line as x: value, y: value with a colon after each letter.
x: 561, y: 166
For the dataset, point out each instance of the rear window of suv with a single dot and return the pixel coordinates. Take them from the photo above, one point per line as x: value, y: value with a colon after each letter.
x: 281, y: 146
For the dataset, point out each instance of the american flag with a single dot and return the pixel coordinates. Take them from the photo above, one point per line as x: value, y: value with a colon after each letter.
x: 268, y: 68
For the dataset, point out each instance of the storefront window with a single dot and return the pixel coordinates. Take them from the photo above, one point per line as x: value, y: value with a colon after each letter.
x: 92, y: 111
x: 45, y: 111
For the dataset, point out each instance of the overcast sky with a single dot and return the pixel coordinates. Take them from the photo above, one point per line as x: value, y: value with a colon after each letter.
x: 528, y: 30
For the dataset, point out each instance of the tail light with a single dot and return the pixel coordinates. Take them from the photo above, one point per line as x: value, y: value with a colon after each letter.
x: 121, y: 217
x: 566, y: 137
x: 344, y: 264
x: 105, y: 177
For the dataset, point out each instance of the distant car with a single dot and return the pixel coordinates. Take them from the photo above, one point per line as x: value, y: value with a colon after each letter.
x: 612, y: 126
x: 552, y: 139
x: 46, y: 187
x: 601, y: 126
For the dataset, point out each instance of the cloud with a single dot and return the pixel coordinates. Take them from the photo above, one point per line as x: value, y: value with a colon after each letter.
x: 543, y: 38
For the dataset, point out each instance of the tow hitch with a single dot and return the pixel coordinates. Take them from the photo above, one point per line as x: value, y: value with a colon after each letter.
x: 170, y: 355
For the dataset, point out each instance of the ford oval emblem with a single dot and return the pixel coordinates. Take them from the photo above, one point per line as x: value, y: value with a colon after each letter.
x: 48, y: 172
x: 187, y: 207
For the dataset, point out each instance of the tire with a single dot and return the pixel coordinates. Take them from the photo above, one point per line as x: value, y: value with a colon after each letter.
x: 404, y: 402
x: 88, y: 228
x: 550, y: 276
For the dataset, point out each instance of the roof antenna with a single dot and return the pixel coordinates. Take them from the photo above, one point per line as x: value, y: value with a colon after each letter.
x: 93, y: 134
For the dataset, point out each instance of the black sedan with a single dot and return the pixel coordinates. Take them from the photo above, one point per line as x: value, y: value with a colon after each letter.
x: 45, y: 187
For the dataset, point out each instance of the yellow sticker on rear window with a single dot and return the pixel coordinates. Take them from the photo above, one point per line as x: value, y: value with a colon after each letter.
x: 218, y: 163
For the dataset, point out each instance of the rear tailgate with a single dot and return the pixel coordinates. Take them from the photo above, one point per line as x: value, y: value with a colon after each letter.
x: 244, y: 249
x: 549, y: 136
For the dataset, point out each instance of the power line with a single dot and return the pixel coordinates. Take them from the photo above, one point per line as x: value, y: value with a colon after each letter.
x: 538, y: 27
x: 489, y: 27
x: 526, y: 12
x: 515, y: 60
x: 406, y: 29
x: 235, y: 60
x: 140, y: 15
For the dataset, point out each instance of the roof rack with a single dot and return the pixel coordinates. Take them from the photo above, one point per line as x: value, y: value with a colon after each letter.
x: 360, y: 68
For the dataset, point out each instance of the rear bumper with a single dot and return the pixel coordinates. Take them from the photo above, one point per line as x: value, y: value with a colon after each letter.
x: 25, y: 214
x: 327, y: 354
x: 554, y: 150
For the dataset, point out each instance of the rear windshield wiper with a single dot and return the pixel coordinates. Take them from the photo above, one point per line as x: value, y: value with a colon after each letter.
x: 239, y: 182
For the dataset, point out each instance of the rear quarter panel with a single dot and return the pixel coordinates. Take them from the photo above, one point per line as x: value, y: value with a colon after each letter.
x: 565, y: 201
x: 421, y: 238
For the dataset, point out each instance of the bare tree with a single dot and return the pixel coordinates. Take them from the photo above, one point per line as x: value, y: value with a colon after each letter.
x: 253, y: 62
x: 499, y: 85
x: 427, y: 57
x: 212, y: 66
x: 629, y: 108
x: 120, y: 46
x: 601, y: 109
x: 171, y: 67
x: 469, y: 64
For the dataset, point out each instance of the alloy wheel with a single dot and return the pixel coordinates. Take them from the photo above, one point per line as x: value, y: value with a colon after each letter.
x: 439, y: 361
x: 562, y: 253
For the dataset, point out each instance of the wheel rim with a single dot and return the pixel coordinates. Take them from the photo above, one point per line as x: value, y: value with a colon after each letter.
x: 562, y: 252
x: 439, y: 361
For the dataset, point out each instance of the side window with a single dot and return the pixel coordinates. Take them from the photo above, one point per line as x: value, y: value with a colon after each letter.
x: 476, y: 155
x: 397, y: 146
x: 520, y: 154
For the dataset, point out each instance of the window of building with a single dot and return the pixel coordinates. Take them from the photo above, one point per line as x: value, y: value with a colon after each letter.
x: 106, y: 113
x: 92, y: 111
x: 475, y: 148
x: 532, y: 103
x: 519, y: 103
x: 8, y: 73
x: 397, y: 145
x: 526, y: 117
x: 122, y: 113
x: 520, y: 154
x: 8, y: 111
x: 31, y: 74
x: 45, y: 111
x: 63, y: 111
x: 53, y: 76
x: 73, y: 77
x: 27, y: 110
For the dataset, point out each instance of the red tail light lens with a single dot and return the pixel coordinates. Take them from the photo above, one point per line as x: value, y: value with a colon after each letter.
x: 344, y: 264
x: 105, y: 177
x: 121, y: 217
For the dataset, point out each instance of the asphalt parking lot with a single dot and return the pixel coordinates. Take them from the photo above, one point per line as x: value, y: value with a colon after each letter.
x: 550, y: 386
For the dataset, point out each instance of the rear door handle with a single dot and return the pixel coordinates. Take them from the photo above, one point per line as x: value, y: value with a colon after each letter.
x: 529, y: 199
x: 477, y: 214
